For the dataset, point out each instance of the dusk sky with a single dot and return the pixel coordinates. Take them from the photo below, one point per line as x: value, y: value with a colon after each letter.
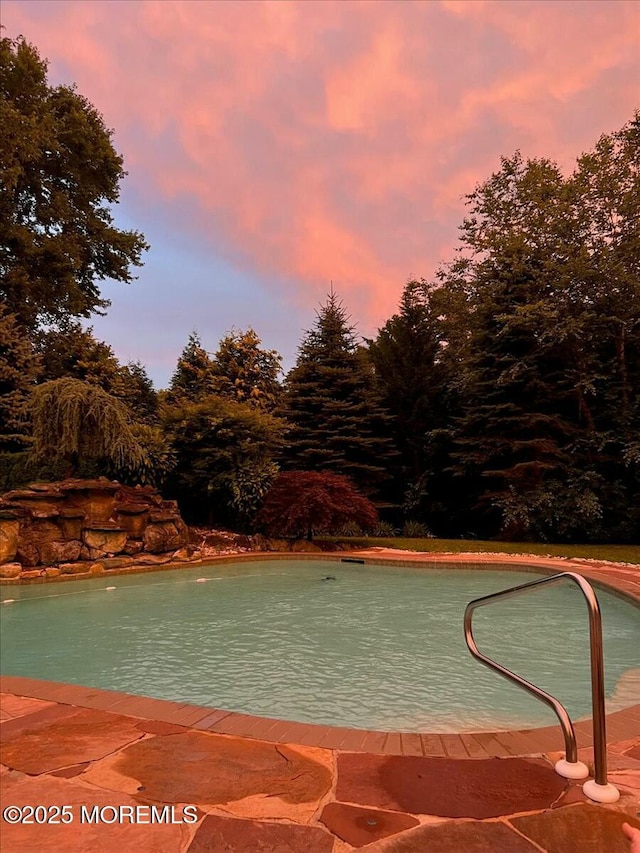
x: 274, y: 147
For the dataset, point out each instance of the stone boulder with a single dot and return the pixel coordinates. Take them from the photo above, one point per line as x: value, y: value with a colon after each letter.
x: 96, y: 499
x: 9, y: 529
x: 10, y: 570
x: 107, y: 538
x: 161, y: 536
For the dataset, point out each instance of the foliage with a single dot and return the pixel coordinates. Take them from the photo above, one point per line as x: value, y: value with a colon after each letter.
x: 337, y: 421
x: 136, y: 389
x: 415, y: 383
x: 159, y: 459
x: 19, y: 368
x: 60, y: 175
x: 349, y: 528
x: 73, y: 352
x: 415, y: 530
x: 547, y: 293
x: 245, y: 372
x: 193, y: 377
x: 382, y: 528
x: 300, y: 502
x: 74, y: 420
x: 225, y: 454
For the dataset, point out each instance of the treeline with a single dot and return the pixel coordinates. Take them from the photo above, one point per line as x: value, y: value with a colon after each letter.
x: 501, y: 400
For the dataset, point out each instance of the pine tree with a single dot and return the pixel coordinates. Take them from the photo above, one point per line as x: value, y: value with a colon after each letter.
x: 338, y: 423
x: 193, y: 377
x: 245, y: 372
x: 413, y: 381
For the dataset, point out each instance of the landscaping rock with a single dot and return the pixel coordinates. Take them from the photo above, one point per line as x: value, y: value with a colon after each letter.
x: 71, y: 521
x: 116, y: 562
x: 133, y: 518
x: 61, y: 551
x: 87, y: 553
x: 89, y: 521
x: 110, y: 540
x: 9, y: 528
x: 10, y: 570
x: 51, y: 572
x: 73, y: 568
x: 162, y: 536
x: 133, y: 546
x: 28, y: 554
x: 153, y: 559
x: 302, y: 545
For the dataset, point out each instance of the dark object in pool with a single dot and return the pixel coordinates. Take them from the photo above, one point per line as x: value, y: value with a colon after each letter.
x: 329, y: 578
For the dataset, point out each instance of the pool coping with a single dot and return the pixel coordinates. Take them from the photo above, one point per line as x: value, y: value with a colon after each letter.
x: 620, y: 579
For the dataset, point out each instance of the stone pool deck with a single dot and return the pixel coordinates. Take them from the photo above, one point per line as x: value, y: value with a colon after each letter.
x: 271, y: 786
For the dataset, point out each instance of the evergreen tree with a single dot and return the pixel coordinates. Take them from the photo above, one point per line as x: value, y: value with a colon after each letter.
x: 547, y: 296
x: 76, y: 421
x: 193, y: 378
x: 413, y: 381
x: 245, y: 372
x: 19, y: 368
x: 73, y: 352
x: 136, y: 389
x: 338, y: 423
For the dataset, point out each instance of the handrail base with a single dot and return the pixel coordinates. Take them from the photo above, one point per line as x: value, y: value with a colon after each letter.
x: 601, y: 793
x: 571, y: 769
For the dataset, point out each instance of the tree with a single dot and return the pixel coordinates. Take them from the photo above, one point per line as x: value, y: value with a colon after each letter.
x: 136, y: 389
x: 337, y: 421
x: 193, y: 377
x: 415, y: 388
x: 73, y: 352
x: 542, y: 306
x: 60, y: 174
x: 225, y: 453
x: 245, y: 372
x: 300, y: 502
x: 78, y: 421
x: 19, y: 368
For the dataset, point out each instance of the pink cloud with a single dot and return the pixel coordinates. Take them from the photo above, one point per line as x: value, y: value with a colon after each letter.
x: 321, y: 141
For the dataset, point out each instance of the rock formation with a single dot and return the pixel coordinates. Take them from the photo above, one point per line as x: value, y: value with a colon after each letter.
x: 87, y: 526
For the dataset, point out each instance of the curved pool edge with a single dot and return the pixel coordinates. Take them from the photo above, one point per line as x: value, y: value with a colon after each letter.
x: 622, y: 726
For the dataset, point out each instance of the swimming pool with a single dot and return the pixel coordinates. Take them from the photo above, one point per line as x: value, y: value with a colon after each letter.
x: 379, y: 647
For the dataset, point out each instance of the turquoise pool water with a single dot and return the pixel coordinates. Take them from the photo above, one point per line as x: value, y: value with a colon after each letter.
x: 378, y: 647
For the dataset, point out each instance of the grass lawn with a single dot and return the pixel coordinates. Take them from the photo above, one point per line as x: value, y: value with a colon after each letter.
x: 614, y: 553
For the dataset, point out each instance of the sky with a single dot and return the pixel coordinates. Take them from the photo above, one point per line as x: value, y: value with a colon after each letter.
x: 274, y: 148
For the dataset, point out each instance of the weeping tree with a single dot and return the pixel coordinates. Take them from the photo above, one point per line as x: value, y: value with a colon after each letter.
x: 76, y: 421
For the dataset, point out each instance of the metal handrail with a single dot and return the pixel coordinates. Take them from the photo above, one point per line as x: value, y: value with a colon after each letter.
x: 597, y: 671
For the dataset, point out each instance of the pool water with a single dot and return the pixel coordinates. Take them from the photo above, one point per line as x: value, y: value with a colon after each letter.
x: 376, y: 647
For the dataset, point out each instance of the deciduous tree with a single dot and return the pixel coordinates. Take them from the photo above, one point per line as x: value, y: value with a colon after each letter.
x: 60, y: 175
x: 225, y: 454
x: 301, y: 502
